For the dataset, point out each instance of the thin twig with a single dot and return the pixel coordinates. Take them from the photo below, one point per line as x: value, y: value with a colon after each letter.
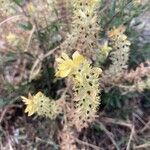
x: 130, y: 138
x: 109, y: 134
x: 140, y: 119
x: 29, y: 39
x: 46, y: 65
x: 10, y: 145
x: 3, y: 114
x: 143, y: 146
x: 11, y: 18
x: 115, y: 121
x: 39, y: 61
x: 63, y: 96
x: 147, y: 126
x: 36, y: 63
x: 88, y: 144
x: 51, y: 52
x: 49, y: 142
x: 110, y: 120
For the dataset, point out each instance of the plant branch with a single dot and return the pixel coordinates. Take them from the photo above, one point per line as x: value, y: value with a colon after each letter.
x: 130, y: 138
x: 109, y: 134
x: 88, y: 144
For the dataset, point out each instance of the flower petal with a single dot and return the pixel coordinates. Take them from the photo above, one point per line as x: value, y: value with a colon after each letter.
x: 65, y: 56
x: 24, y: 99
x: 77, y: 58
x: 63, y: 73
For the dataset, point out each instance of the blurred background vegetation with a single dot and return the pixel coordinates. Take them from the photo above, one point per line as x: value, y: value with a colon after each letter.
x: 30, y: 33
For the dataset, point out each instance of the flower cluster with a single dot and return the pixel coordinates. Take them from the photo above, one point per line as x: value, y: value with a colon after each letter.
x: 84, y: 28
x: 86, y: 96
x: 119, y: 55
x: 103, y: 52
x: 41, y: 105
x: 86, y: 88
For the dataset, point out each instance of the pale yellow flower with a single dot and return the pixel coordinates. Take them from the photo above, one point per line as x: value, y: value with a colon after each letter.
x: 31, y: 8
x: 41, y: 105
x: 118, y: 34
x: 105, y: 49
x: 137, y: 2
x: 66, y: 65
x: 93, y: 2
x: 116, y: 31
x: 31, y: 103
x: 11, y: 37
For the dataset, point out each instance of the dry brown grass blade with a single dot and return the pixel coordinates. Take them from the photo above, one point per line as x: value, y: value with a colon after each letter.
x: 131, y: 137
x: 143, y: 146
x: 10, y: 145
x: 139, y: 118
x: 122, y: 123
x: 38, y: 63
x: 88, y: 144
x: 13, y: 18
x: 147, y: 126
x: 116, y: 121
x: 30, y: 38
x: 109, y: 134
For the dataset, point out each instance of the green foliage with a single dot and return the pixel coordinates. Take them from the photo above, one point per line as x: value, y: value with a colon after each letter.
x: 19, y: 2
x: 119, y: 12
x: 138, y: 56
x: 145, y: 102
x: 40, y: 32
x: 25, y: 26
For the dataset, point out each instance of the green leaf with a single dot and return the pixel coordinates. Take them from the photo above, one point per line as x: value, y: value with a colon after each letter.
x: 113, y: 8
x: 3, y: 102
x: 25, y: 26
x: 19, y: 2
